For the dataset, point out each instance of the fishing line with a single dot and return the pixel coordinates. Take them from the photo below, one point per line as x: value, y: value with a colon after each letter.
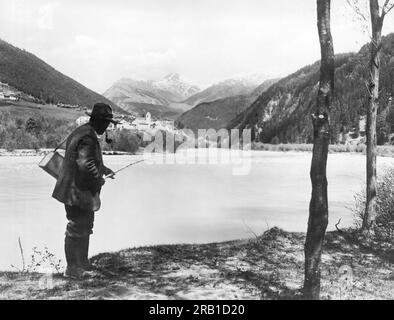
x: 125, y: 167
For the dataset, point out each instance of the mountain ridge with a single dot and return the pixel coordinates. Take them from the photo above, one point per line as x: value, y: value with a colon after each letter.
x: 219, y: 113
x: 137, y: 96
x: 229, y: 87
x: 33, y: 76
x: 283, y: 111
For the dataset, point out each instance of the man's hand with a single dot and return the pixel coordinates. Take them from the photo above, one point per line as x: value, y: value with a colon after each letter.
x: 101, y: 181
x: 91, y: 167
x: 109, y: 173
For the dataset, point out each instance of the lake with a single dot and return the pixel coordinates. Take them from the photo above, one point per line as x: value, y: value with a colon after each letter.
x: 175, y: 203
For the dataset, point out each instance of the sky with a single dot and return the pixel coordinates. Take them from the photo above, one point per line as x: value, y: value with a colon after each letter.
x: 205, y: 41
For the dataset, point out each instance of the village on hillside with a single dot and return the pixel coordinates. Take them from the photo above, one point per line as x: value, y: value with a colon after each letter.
x: 146, y: 124
x: 128, y: 122
x: 9, y: 93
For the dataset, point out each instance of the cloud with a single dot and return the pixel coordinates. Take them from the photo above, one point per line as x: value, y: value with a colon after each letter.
x: 84, y: 41
x: 97, y: 65
x: 98, y: 42
x: 151, y: 58
x: 28, y: 15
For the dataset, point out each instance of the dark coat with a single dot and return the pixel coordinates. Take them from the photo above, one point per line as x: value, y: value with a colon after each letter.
x: 76, y: 185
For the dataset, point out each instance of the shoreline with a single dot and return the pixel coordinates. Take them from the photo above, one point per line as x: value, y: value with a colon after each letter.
x: 43, y: 152
x: 382, y: 151
x: 266, y: 267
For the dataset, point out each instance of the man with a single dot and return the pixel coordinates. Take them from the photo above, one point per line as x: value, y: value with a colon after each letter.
x: 79, y: 184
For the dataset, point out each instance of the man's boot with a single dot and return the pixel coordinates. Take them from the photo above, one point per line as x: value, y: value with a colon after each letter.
x: 86, y: 265
x: 72, y: 252
x: 88, y: 271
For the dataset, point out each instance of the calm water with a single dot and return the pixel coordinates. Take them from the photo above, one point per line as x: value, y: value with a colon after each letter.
x: 174, y: 203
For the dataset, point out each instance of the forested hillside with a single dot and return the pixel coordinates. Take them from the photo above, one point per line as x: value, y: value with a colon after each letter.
x: 216, y: 114
x: 219, y: 113
x: 283, y: 111
x: 29, y: 74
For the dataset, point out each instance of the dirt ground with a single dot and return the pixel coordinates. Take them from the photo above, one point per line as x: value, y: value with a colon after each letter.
x: 266, y: 267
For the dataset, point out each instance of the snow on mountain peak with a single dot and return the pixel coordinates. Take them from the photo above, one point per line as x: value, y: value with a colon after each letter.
x: 172, y: 77
x: 173, y: 83
x: 171, y: 88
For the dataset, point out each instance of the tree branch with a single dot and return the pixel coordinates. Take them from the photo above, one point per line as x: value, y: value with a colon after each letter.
x: 357, y: 10
x: 389, y: 8
x: 384, y: 7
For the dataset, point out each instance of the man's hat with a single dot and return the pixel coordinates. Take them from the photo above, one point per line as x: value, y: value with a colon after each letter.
x: 102, y: 111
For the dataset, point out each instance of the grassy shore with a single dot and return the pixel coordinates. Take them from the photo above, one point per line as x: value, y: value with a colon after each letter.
x: 266, y: 267
x: 383, y: 151
x: 24, y: 110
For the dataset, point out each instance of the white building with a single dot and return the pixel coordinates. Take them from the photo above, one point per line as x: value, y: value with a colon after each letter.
x: 9, y: 96
x: 167, y: 125
x: 126, y: 125
x: 144, y: 123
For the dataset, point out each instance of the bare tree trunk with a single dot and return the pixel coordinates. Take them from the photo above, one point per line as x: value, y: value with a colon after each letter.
x: 318, y: 207
x: 377, y: 24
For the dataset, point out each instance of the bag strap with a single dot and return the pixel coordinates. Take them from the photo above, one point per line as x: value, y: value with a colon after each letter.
x: 62, y: 142
x: 59, y: 145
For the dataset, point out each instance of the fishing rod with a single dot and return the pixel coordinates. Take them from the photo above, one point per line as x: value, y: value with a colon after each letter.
x: 125, y: 167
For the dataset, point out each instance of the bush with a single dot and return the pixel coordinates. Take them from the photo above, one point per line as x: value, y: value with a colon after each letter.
x: 32, y: 133
x: 33, y: 126
x: 275, y: 140
x: 354, y: 135
x: 384, y: 224
x: 361, y: 148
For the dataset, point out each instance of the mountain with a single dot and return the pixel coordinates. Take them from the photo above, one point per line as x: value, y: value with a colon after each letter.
x: 29, y: 74
x: 178, y: 87
x: 215, y: 114
x: 262, y: 88
x: 219, y: 113
x: 162, y: 97
x: 226, y: 88
x: 283, y: 111
x: 126, y: 91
